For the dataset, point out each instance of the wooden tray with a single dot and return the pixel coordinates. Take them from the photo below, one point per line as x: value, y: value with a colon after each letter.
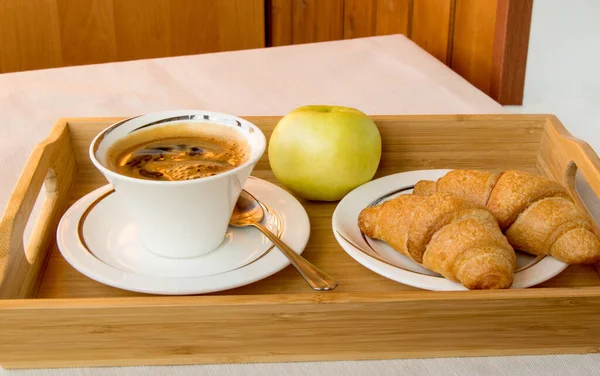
x: 52, y: 316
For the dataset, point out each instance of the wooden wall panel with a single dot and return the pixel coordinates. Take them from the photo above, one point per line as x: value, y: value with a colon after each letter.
x: 30, y: 42
x: 198, y: 18
x: 317, y: 20
x: 473, y: 42
x: 279, y: 24
x: 241, y: 24
x: 216, y: 25
x: 147, y: 34
x: 87, y: 31
x: 307, y: 21
x: 432, y: 22
x: 50, y: 33
x: 359, y: 18
x: 392, y: 16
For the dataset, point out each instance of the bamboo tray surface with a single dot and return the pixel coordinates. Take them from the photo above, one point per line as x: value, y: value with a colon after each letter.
x: 51, y: 315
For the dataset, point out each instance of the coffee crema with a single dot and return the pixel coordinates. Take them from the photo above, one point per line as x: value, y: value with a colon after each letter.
x: 177, y: 152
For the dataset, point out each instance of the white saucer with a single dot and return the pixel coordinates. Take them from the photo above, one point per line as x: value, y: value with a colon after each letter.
x: 384, y: 260
x: 99, y: 240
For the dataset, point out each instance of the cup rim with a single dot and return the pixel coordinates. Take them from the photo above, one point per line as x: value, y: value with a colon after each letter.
x: 262, y: 144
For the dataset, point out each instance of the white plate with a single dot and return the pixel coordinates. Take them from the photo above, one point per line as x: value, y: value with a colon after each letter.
x: 384, y: 260
x: 99, y: 240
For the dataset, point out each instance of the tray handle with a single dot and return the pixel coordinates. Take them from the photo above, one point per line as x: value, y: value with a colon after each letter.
x: 53, y: 162
x: 561, y: 155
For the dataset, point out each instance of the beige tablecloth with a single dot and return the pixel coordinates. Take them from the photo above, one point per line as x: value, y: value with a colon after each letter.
x: 381, y: 75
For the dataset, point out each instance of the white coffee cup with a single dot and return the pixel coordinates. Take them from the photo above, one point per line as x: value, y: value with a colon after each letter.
x: 186, y: 218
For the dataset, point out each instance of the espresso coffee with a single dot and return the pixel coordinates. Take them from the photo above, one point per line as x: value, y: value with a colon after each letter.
x: 178, y: 152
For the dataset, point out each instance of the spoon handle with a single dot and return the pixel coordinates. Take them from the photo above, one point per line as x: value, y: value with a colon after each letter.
x: 315, y: 277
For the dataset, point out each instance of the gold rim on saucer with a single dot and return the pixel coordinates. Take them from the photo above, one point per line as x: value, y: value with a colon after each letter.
x: 81, y: 222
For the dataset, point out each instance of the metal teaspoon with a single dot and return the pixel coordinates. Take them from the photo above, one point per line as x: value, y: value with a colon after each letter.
x: 248, y: 212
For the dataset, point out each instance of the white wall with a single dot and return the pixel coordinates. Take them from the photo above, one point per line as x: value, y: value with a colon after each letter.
x: 563, y: 65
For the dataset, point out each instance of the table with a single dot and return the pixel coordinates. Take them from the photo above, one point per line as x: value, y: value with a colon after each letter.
x: 379, y: 75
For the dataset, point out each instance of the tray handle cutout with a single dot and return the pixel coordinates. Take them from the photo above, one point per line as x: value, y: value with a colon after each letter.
x: 562, y: 156
x: 51, y: 164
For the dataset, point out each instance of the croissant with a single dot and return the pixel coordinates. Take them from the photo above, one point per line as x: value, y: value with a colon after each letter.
x: 537, y: 215
x: 445, y: 234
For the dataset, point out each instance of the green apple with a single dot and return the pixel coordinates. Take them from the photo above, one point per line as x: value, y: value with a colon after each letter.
x: 323, y: 152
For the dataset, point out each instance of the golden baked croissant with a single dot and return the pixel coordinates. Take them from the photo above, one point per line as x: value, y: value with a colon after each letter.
x: 445, y: 234
x: 537, y: 215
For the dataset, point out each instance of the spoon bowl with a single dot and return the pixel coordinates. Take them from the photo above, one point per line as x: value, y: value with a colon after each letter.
x: 247, y: 211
